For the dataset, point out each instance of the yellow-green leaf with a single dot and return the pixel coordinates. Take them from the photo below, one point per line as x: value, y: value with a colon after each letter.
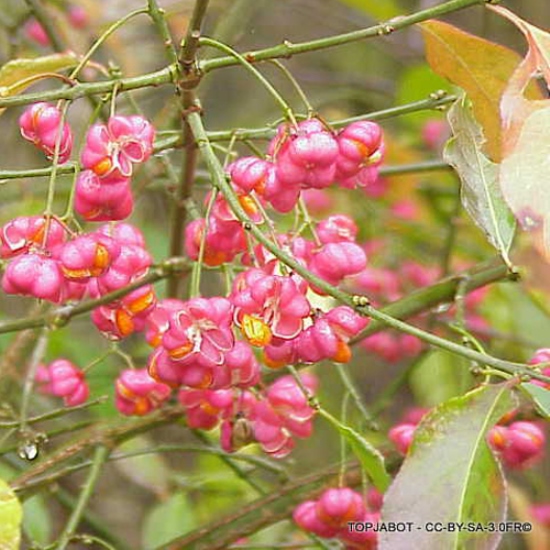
x: 10, y: 518
x: 18, y: 74
x: 480, y: 67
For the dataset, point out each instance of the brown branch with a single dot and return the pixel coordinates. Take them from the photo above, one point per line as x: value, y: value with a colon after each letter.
x: 190, y: 79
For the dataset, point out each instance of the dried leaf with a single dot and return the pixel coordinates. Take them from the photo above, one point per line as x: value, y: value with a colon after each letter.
x: 525, y: 137
x: 480, y: 192
x: 480, y: 67
x: 18, y: 74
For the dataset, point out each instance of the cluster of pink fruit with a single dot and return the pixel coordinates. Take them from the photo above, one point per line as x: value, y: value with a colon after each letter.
x: 196, y: 350
x: 335, y: 514
x: 299, y: 159
x: 103, y: 190
x: 47, y: 265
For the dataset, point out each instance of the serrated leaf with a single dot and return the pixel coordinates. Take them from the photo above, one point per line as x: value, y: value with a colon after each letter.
x: 167, y: 520
x: 540, y: 397
x: 450, y: 475
x: 480, y: 192
x: 11, y: 514
x: 480, y: 67
x: 370, y: 458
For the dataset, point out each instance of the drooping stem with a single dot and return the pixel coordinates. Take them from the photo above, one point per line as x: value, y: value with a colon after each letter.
x: 287, y: 111
x: 101, y: 454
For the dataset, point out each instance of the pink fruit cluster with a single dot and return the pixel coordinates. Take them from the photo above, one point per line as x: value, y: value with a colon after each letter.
x: 61, y: 378
x: 271, y: 418
x: 329, y: 517
x: 103, y: 191
x: 308, y: 157
x: 41, y: 124
x: 49, y: 264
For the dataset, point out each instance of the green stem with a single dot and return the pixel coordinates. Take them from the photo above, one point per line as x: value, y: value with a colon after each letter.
x: 84, y: 89
x: 242, y: 60
x: 36, y: 358
x: 352, y: 391
x: 100, y: 456
x: 295, y: 85
x: 359, y: 303
x: 288, y: 49
x: 61, y: 315
x: 188, y: 52
x: 427, y: 166
x: 116, y: 25
x: 53, y: 414
x: 188, y: 80
x: 157, y: 14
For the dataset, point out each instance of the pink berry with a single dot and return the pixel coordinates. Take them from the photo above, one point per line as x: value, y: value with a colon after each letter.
x: 268, y: 306
x: 34, y: 275
x: 87, y: 256
x: 112, y: 149
x: 138, y: 394
x: 35, y: 32
x: 360, y: 145
x: 205, y: 408
x: 98, y: 201
x: 336, y: 229
x: 62, y: 379
x: 29, y: 232
x: 402, y: 436
x: 519, y: 445
x: 40, y: 124
x: 78, y: 17
x: 249, y: 173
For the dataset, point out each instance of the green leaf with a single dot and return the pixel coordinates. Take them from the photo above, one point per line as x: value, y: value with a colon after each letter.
x: 376, y: 9
x: 149, y: 470
x: 481, y: 195
x: 451, y: 475
x: 439, y: 376
x: 540, y: 397
x: 11, y: 514
x: 370, y: 458
x: 167, y: 520
x: 36, y: 520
